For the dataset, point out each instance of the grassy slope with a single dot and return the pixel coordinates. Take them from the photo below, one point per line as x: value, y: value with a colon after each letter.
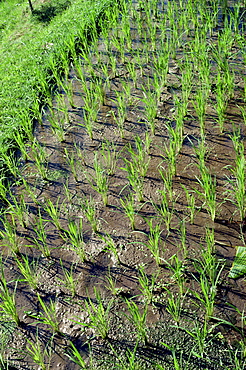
x: 25, y: 51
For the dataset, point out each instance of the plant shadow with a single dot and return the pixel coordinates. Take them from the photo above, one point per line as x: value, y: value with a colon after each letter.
x: 49, y: 10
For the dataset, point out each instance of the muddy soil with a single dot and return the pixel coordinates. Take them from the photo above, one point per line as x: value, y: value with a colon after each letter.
x: 68, y: 189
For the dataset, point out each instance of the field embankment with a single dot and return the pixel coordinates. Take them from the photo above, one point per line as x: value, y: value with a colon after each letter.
x: 32, y: 50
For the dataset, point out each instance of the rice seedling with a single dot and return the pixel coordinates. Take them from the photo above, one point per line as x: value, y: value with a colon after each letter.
x: 154, y: 238
x: 73, y: 235
x: 178, y: 361
x: 200, y: 332
x: 110, y: 246
x: 99, y: 315
x: 54, y: 211
x: 191, y: 203
x: 40, y: 158
x: 19, y: 209
x: 151, y: 108
x: 4, y: 189
x: 179, y: 115
x: 91, y: 109
x: 104, y: 67
x: 74, y: 355
x: 71, y: 161
x: 132, y: 71
x: 80, y: 153
x: 8, y: 306
x: 200, y: 105
x: 223, y: 51
x: 26, y: 123
x: 18, y: 137
x: 175, y: 137
x: 40, y: 355
x: 182, y: 233
x: 205, y: 76
x: 58, y: 126
x: 207, y: 297
x: 56, y: 71
x: 147, y: 143
x: 111, y: 284
x: 129, y: 361
x: 128, y: 205
x: 48, y: 316
x: 138, y: 318
x: 207, y: 183
x: 44, y: 88
x: 126, y: 30
x: 68, y: 192
x: 9, y: 161
x: 68, y: 89
x: 236, y: 137
x: 31, y: 192
x: 160, y: 64
x: 69, y: 280
x: 62, y: 110
x: 170, y: 156
x: 88, y: 207
x: 29, y: 271
x: 9, y: 234
x: 118, y: 42
x: 110, y: 155
x: 147, y: 283
x: 139, y: 158
x: 37, y: 111
x: 243, y: 111
x: 240, y: 329
x: 40, y: 239
x: 210, y: 241
x: 99, y: 181
x: 174, y: 305
x: 208, y: 264
x: 177, y: 267
x: 237, y: 183
x: 167, y: 178
x: 221, y: 104
x: 229, y: 82
x: 136, y: 181
x: 113, y: 65
x: 164, y: 210
x: 158, y: 85
x: 121, y: 116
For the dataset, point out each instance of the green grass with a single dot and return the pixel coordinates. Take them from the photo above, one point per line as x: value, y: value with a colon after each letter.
x: 28, y: 50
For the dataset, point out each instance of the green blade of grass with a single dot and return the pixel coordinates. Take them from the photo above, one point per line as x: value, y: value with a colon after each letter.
x: 239, y: 264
